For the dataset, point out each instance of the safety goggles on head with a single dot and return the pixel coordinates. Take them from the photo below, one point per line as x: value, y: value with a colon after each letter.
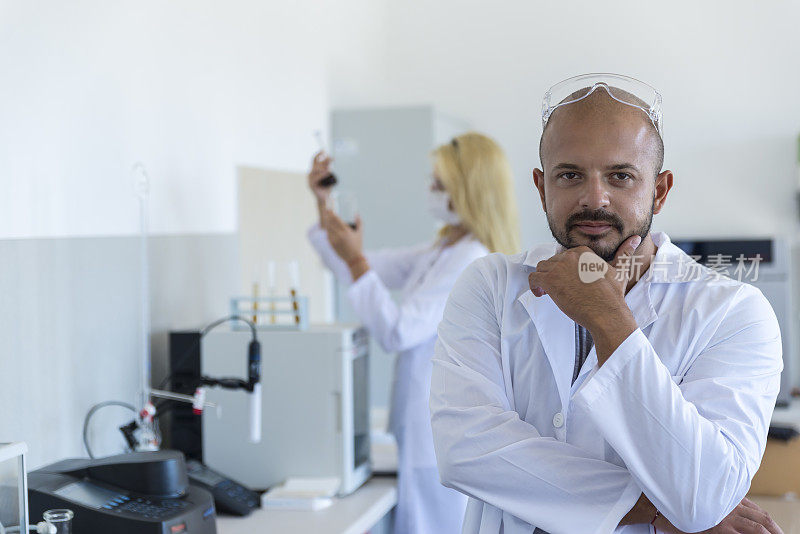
x: 623, y: 89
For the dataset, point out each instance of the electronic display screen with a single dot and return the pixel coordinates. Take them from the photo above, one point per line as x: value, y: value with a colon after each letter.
x: 87, y: 494
x: 749, y: 248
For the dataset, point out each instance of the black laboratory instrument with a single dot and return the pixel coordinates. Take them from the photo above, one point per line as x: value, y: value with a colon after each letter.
x: 185, y: 430
x: 134, y: 493
x: 230, y: 497
x: 782, y: 433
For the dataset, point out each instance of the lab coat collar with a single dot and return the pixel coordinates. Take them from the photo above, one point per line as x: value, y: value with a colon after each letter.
x: 557, y: 331
x: 669, y: 265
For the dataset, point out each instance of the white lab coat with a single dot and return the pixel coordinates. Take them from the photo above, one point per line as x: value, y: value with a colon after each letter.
x: 680, y: 411
x: 425, y: 275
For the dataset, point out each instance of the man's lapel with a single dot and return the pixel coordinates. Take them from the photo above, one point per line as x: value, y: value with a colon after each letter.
x: 556, y: 332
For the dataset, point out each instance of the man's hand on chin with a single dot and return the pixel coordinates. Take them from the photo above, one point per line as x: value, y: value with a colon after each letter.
x: 591, y: 292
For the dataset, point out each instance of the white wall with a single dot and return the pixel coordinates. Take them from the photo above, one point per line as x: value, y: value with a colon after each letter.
x: 190, y: 88
x: 728, y: 71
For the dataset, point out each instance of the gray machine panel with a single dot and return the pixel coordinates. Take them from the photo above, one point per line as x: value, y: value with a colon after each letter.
x: 307, y: 413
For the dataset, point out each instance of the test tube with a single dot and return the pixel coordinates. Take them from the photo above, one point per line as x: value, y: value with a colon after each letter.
x: 271, y: 290
x: 330, y: 180
x: 294, y: 277
x: 255, y: 302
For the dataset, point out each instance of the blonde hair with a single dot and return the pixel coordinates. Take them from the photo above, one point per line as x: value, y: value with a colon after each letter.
x: 476, y: 174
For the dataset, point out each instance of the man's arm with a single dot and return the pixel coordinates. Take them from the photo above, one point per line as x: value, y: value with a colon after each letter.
x: 486, y: 451
x: 693, y: 448
x: 746, y: 518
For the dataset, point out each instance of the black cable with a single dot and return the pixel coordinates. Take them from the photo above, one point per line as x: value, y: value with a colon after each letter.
x: 92, y: 411
x: 231, y: 318
x: 203, y: 332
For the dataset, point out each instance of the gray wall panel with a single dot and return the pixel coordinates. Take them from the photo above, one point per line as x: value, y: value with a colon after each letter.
x: 384, y: 156
x: 69, y: 328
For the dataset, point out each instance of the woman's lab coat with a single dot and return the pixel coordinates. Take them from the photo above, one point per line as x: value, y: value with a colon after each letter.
x: 425, y: 275
x: 680, y: 410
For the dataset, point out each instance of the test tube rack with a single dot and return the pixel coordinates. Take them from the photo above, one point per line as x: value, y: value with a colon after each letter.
x: 272, y: 313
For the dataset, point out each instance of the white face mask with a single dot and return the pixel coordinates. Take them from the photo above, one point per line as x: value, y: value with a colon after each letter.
x: 439, y: 207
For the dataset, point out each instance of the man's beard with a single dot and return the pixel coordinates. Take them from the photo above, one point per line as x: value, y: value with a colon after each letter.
x: 562, y: 236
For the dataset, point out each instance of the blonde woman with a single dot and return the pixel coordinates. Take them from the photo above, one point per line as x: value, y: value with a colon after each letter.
x: 472, y: 195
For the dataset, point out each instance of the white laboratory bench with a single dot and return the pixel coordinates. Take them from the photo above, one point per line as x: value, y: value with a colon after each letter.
x: 361, y: 511
x: 355, y: 514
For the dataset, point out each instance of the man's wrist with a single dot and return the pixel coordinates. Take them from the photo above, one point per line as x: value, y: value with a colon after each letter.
x: 610, y: 330
x: 642, y: 513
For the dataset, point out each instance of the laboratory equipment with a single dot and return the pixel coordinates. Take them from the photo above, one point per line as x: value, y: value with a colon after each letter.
x: 294, y: 276
x: 13, y: 490
x: 330, y: 180
x: 271, y: 290
x: 272, y: 312
x: 256, y: 291
x: 60, y: 518
x: 184, y: 428
x: 772, y: 273
x: 269, y: 310
x: 147, y: 436
x: 230, y: 497
x: 252, y: 384
x: 197, y: 399
x: 315, y: 407
x: 142, y: 434
x: 135, y: 493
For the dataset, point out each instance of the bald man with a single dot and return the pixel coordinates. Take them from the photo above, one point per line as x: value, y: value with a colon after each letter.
x: 589, y: 385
